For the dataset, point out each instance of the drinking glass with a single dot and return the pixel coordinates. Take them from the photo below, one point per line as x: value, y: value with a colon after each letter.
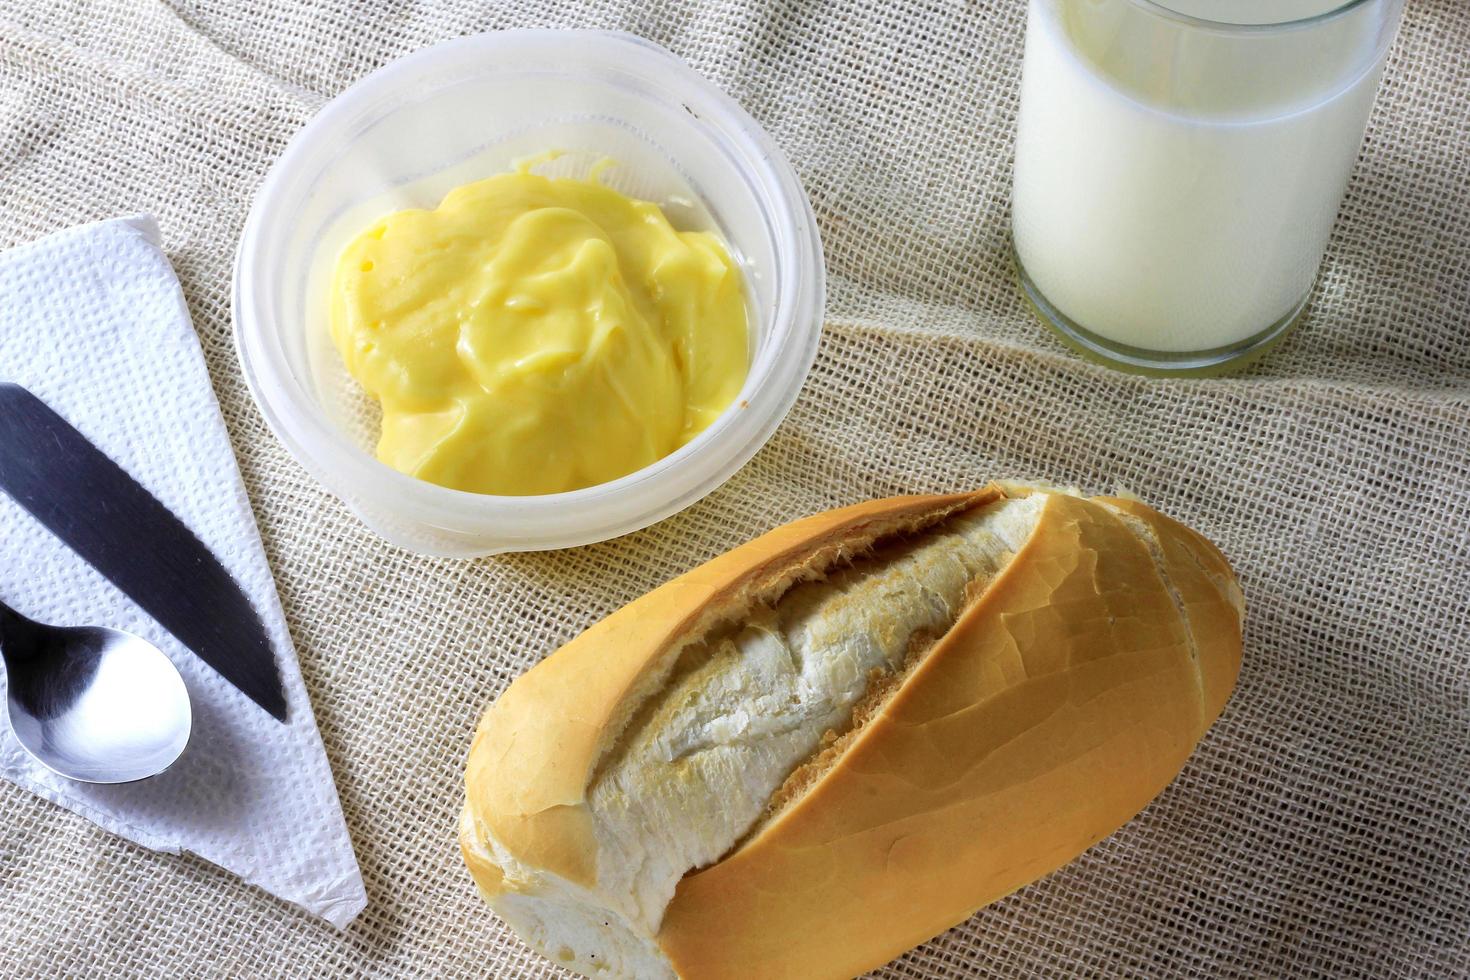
x: 1179, y: 165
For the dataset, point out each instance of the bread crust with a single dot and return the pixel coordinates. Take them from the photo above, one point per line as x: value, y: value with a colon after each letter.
x: 1065, y: 697
x: 1058, y: 706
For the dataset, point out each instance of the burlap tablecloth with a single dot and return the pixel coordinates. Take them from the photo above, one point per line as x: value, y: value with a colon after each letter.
x: 1323, y: 827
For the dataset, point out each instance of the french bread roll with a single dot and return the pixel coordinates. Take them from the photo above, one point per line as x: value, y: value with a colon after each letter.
x: 833, y: 743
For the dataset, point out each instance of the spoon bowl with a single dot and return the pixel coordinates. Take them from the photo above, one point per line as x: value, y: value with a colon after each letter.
x: 92, y: 704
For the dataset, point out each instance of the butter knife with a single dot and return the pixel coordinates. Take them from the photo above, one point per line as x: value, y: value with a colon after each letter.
x: 104, y: 515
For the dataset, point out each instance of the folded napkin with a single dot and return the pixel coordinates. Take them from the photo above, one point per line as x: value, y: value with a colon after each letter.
x: 92, y: 321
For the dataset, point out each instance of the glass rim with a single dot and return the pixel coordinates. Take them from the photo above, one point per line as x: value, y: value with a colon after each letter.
x: 1162, y: 9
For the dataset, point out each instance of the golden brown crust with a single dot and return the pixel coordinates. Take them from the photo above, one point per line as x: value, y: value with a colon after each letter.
x: 1205, y: 583
x: 1062, y: 701
x: 487, y: 875
x: 1066, y: 696
x: 538, y: 746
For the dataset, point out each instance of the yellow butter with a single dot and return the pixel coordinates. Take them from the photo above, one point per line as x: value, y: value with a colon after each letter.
x: 532, y: 335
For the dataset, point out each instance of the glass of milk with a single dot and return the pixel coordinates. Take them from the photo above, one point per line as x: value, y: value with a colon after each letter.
x: 1179, y: 164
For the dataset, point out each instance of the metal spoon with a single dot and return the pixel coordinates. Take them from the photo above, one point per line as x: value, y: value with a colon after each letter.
x: 92, y: 704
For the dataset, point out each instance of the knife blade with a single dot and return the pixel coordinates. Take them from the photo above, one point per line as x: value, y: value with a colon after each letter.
x: 80, y: 495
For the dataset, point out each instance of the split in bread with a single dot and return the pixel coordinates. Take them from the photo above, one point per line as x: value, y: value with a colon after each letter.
x: 830, y: 744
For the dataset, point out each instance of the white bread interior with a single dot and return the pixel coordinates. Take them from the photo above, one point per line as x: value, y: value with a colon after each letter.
x: 749, y: 708
x: 748, y: 704
x: 698, y: 764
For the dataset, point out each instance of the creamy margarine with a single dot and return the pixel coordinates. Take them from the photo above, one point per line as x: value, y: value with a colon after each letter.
x: 534, y: 334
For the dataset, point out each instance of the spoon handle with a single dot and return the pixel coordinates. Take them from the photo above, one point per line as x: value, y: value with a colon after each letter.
x: 17, y: 634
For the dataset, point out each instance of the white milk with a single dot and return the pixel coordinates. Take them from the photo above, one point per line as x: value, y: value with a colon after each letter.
x: 1175, y: 187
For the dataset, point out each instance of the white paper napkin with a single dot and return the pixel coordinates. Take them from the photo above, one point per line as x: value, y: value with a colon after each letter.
x: 93, y: 322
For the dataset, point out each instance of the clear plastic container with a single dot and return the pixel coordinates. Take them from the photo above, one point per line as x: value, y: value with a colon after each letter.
x: 469, y: 108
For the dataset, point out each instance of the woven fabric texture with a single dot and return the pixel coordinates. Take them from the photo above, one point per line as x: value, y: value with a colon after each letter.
x: 1323, y: 826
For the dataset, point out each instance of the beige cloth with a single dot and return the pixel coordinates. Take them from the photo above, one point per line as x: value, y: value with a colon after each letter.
x: 1323, y: 827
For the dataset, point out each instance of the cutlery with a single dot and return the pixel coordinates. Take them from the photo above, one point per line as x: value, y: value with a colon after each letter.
x: 137, y: 543
x: 92, y: 704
